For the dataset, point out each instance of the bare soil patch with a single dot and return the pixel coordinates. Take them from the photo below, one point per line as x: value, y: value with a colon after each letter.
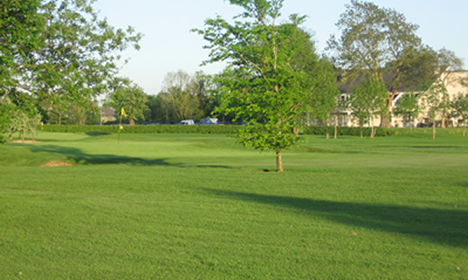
x: 57, y: 163
x: 25, y: 141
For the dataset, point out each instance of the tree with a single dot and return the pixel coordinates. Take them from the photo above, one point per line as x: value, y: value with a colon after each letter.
x: 324, y: 103
x: 367, y: 101
x: 448, y: 65
x: 408, y: 108
x: 18, y: 116
x: 155, y: 112
x: 418, y: 69
x: 6, y: 114
x: 23, y: 124
x: 59, y: 50
x: 57, y: 109
x: 133, y: 99
x: 181, y: 92
x: 264, y: 87
x: 20, y: 30
x: 376, y: 40
x: 85, y: 112
x: 18, y: 113
x: 459, y: 107
x: 435, y: 101
x: 208, y: 93
x: 167, y: 106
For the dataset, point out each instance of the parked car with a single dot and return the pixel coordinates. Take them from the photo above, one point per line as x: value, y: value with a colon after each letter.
x: 424, y: 124
x: 209, y: 121
x: 187, y: 122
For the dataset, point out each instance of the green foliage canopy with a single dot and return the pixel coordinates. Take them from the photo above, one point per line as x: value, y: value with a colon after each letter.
x: 70, y: 53
x: 367, y: 100
x: 133, y: 99
x: 408, y: 107
x: 436, y: 101
x: 459, y: 107
x: 181, y: 94
x: 378, y: 41
x: 58, y: 51
x: 265, y: 84
x: 21, y: 25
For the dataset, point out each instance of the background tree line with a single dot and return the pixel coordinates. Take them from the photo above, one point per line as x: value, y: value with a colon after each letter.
x: 184, y: 96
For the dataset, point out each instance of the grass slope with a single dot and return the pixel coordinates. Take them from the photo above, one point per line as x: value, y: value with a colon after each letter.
x: 199, y: 207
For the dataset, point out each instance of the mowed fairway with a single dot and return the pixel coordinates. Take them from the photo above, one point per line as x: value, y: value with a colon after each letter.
x: 161, y: 206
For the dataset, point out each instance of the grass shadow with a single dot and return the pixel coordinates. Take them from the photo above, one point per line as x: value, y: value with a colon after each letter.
x: 78, y: 156
x: 435, y: 147
x: 95, y: 133
x: 442, y: 226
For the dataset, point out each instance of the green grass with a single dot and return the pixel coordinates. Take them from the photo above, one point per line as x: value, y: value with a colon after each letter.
x: 162, y: 206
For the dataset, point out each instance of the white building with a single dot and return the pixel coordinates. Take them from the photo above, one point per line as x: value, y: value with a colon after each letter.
x: 451, y: 79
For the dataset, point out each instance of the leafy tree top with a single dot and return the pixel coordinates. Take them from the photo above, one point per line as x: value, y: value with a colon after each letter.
x: 70, y: 53
x: 372, y: 36
x: 272, y: 72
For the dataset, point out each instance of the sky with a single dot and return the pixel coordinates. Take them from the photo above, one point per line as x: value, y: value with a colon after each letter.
x: 169, y: 46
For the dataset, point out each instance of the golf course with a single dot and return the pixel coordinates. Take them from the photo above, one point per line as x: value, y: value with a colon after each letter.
x: 199, y: 206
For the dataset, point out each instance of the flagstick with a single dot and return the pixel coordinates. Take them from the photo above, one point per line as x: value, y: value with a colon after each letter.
x: 120, y: 126
x: 122, y: 113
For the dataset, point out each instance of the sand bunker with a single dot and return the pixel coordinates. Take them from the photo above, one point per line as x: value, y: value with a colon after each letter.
x: 57, y: 163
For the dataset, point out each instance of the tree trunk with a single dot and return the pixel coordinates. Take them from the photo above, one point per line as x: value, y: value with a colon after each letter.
x: 464, y: 129
x: 385, y: 120
x: 279, y: 162
x: 433, y: 129
x: 296, y: 131
x: 336, y: 127
x: 327, y: 132
x: 131, y: 121
x: 361, y: 131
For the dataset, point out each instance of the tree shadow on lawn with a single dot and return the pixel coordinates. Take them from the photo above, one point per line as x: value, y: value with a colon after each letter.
x: 442, y: 226
x: 95, y: 133
x: 78, y: 156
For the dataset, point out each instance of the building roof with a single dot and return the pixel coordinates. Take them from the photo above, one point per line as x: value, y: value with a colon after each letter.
x: 408, y: 83
x: 108, y: 112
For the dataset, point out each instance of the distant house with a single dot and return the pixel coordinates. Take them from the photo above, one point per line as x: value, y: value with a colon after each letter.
x: 108, y: 114
x: 451, y: 79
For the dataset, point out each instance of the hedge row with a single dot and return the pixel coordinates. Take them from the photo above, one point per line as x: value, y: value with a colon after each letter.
x: 207, y: 129
x: 448, y: 130
x: 349, y: 131
x: 200, y: 129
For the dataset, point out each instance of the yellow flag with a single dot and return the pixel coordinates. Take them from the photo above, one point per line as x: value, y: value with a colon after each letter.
x: 122, y: 112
